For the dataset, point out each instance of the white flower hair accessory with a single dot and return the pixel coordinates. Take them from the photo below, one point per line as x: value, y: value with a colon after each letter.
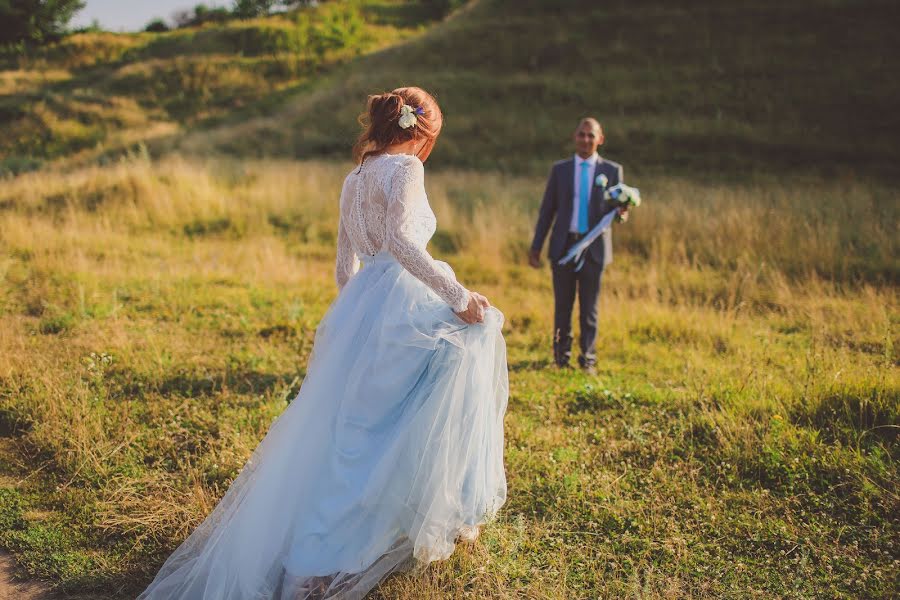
x: 409, y: 116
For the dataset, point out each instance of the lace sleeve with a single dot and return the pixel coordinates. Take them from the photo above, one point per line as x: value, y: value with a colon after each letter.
x: 406, y: 190
x: 347, y: 262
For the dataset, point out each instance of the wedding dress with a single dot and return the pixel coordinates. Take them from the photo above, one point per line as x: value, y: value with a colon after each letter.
x: 392, y: 448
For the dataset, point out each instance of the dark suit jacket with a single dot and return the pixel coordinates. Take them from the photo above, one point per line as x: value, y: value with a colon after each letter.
x: 558, y: 201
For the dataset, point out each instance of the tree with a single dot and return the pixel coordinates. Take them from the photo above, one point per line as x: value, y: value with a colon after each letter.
x: 200, y: 15
x: 248, y: 9
x: 156, y: 26
x: 35, y: 21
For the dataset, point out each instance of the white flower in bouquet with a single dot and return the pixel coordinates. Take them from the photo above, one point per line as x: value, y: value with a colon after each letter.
x: 633, y: 196
x: 624, y: 194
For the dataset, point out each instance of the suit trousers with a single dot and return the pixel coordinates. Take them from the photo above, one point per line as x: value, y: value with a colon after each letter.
x: 565, y: 282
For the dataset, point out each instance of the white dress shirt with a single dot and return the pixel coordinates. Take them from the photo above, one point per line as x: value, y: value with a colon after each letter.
x: 592, y: 161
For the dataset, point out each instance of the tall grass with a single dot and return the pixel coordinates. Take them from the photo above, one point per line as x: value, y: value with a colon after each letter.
x: 741, y: 435
x: 705, y: 244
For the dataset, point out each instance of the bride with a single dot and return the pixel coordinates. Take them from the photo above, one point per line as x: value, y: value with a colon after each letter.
x: 392, y: 450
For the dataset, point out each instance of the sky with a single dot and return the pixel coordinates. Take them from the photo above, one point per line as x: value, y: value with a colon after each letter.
x: 133, y: 15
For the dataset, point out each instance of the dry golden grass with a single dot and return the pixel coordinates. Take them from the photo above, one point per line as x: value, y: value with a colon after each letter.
x: 155, y: 317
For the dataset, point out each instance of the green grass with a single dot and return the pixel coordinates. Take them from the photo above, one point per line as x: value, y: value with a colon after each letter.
x: 740, y: 438
x: 708, y: 89
x: 94, y: 95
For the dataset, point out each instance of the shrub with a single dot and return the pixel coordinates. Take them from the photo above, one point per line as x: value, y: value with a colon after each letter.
x: 156, y: 26
x: 14, y: 165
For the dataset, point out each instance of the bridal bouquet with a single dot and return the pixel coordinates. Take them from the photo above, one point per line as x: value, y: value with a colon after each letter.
x: 620, y: 195
x: 623, y: 195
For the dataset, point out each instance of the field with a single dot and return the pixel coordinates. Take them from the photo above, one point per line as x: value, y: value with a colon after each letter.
x: 739, y: 439
x: 167, y: 235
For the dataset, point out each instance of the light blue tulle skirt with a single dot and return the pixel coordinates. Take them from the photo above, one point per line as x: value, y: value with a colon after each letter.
x: 392, y: 449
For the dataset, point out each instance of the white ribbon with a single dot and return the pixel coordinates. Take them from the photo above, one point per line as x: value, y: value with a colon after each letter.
x: 576, y: 251
x: 632, y: 196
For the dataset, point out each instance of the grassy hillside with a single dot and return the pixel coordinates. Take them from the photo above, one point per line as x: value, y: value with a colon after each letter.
x: 706, y: 87
x: 94, y: 95
x: 740, y: 437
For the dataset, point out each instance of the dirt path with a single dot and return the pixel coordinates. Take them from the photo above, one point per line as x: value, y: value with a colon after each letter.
x: 11, y: 589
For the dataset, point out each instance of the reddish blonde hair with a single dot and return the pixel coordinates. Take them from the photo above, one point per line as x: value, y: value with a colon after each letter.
x: 381, y: 122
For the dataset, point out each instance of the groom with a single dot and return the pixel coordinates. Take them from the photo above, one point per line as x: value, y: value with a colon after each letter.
x: 574, y: 195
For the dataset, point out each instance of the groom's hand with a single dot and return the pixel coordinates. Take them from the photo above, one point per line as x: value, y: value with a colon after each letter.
x: 534, y: 258
x: 623, y: 213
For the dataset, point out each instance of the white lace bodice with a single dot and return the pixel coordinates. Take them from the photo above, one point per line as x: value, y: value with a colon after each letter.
x: 384, y: 207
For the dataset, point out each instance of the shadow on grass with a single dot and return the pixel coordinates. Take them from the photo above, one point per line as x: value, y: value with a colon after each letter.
x: 854, y: 418
x: 529, y: 365
x: 194, y: 385
x: 12, y: 424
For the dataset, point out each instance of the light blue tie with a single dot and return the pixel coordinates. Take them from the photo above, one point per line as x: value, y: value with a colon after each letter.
x: 584, y: 197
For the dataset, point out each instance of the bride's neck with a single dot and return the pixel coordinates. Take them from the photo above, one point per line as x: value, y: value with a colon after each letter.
x: 408, y: 147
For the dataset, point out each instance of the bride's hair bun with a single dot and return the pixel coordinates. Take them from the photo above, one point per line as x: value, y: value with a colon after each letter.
x: 385, y: 105
x: 381, y: 121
